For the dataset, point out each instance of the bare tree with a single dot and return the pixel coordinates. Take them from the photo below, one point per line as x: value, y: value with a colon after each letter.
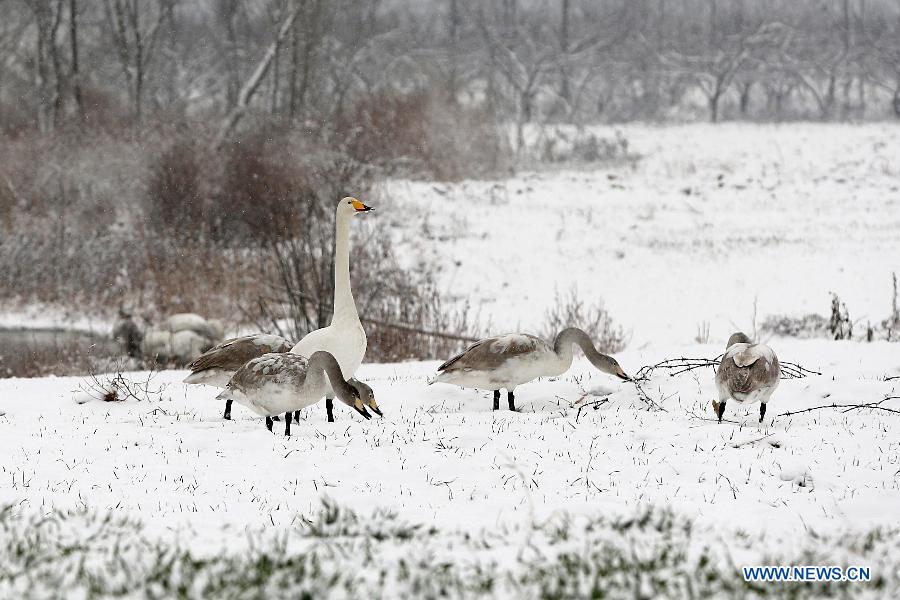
x: 252, y: 84
x: 48, y: 78
x: 134, y: 28
x: 73, y: 45
x: 715, y: 67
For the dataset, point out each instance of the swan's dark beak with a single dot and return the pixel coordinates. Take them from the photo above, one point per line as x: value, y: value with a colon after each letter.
x: 358, y: 407
x: 623, y: 376
x: 377, y: 411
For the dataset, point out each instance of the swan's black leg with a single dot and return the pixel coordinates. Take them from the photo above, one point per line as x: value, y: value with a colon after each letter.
x: 297, y: 416
x: 287, y: 424
x: 512, y: 400
x: 269, y: 423
x: 721, y: 409
x: 496, y: 399
x: 762, y: 411
x: 227, y: 414
x: 329, y: 409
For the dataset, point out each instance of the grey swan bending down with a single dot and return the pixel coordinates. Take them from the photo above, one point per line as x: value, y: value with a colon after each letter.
x: 282, y: 382
x: 748, y: 373
x: 217, y: 366
x: 507, y: 361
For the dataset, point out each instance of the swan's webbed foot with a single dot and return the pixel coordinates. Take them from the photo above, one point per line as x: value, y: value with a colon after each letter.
x: 511, y: 398
x: 496, y: 399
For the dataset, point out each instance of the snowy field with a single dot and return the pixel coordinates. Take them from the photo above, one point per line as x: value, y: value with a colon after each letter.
x: 459, y: 482
x: 709, y: 220
x: 596, y: 486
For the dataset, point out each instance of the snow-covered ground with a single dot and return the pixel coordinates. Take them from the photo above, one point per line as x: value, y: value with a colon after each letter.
x: 710, y: 220
x: 441, y: 457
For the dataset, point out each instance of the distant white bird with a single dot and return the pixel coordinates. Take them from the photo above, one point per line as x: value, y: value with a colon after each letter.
x: 748, y: 373
x: 182, y: 337
x: 216, y: 366
x: 507, y: 361
x: 281, y: 383
x: 185, y: 321
x: 344, y: 338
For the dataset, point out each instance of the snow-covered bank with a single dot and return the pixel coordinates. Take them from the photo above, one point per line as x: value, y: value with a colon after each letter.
x: 712, y: 224
x: 441, y: 456
x: 53, y: 318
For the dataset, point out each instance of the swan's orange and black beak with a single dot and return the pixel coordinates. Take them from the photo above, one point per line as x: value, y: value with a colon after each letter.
x: 361, y: 409
x: 359, y: 206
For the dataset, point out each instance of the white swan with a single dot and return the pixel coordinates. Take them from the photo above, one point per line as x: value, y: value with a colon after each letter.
x: 748, y: 373
x: 507, y: 361
x: 282, y: 382
x: 345, y: 337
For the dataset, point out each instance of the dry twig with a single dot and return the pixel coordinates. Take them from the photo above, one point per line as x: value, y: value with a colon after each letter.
x: 679, y: 366
x: 115, y: 387
x: 847, y: 407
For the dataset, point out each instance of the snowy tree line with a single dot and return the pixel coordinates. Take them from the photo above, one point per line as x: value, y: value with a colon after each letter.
x: 138, y: 61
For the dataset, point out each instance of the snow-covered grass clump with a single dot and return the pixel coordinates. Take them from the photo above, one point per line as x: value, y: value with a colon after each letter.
x: 336, y: 552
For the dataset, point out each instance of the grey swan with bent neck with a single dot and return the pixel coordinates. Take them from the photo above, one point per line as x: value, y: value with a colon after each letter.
x: 507, y: 361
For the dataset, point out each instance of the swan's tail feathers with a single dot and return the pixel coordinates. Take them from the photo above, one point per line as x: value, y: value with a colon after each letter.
x: 214, y: 377
x: 437, y: 378
x: 197, y: 377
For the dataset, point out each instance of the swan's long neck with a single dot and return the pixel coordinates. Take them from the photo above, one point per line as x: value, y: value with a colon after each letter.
x: 344, y: 305
x: 562, y: 346
x: 323, y: 361
x: 572, y: 335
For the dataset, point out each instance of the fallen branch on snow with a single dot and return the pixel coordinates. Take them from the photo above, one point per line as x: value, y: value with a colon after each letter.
x: 643, y: 395
x: 595, y: 404
x: 115, y: 387
x: 847, y: 407
x: 679, y: 366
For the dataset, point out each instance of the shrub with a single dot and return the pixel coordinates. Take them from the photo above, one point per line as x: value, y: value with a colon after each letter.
x: 402, y: 309
x: 419, y: 134
x: 570, y: 310
x: 806, y: 326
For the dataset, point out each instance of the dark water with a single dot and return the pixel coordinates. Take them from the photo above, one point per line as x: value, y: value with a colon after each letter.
x: 30, y: 352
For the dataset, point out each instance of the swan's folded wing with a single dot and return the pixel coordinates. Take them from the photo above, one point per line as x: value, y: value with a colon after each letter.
x: 276, y: 368
x: 461, y: 356
x: 749, y: 369
x: 491, y: 353
x: 232, y: 354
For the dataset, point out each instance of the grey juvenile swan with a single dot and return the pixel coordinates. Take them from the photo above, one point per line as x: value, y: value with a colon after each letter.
x: 748, y: 373
x: 217, y: 366
x: 283, y: 382
x: 507, y: 361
